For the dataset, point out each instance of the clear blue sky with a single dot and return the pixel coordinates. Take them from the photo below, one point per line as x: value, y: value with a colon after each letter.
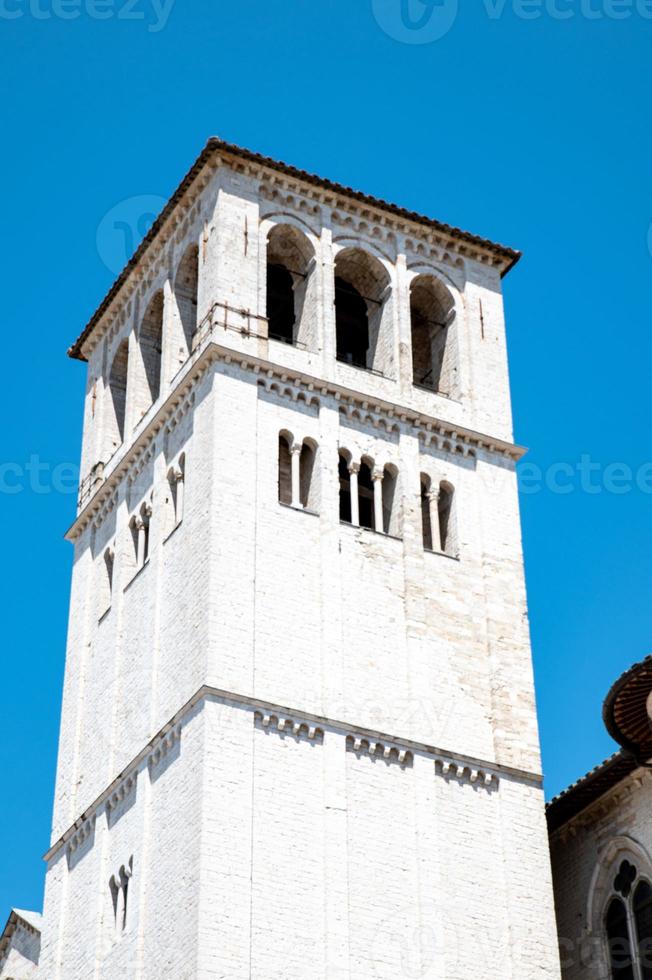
x: 535, y: 132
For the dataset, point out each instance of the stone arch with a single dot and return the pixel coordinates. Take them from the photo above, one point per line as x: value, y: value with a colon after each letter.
x: 150, y: 346
x: 291, y: 301
x: 117, y: 398
x: 364, y: 321
x: 285, y: 444
x: 433, y: 319
x: 615, y: 852
x: 186, y: 284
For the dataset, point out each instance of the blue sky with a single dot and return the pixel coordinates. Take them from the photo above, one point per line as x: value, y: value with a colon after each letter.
x: 533, y: 130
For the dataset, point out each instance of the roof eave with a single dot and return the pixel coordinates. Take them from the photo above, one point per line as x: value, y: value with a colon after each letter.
x: 215, y: 145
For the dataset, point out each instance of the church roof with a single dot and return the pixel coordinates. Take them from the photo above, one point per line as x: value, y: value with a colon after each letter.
x: 17, y: 917
x: 626, y: 717
x: 625, y: 710
x: 508, y: 256
x: 588, y: 789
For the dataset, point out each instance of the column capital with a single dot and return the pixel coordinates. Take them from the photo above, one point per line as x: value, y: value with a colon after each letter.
x: 378, y: 473
x: 295, y: 448
x: 354, y: 468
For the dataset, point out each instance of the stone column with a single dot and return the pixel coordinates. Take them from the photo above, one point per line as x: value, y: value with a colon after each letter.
x: 435, y: 530
x: 354, y: 469
x: 295, y: 453
x: 178, y: 481
x: 377, y: 477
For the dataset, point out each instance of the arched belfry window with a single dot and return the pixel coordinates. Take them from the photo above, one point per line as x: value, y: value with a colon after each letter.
x: 185, y: 294
x: 118, y: 396
x: 628, y: 925
x: 434, y: 344
x: 291, y: 299
x: 352, y: 324
x: 363, y: 315
x: 150, y: 342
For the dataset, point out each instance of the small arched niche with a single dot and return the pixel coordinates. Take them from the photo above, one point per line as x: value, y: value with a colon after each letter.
x: 434, y: 340
x: 363, y: 314
x: 291, y: 299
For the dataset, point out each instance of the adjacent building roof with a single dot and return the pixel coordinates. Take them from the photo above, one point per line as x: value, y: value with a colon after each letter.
x: 509, y: 256
x: 625, y: 714
x: 17, y: 917
x: 588, y: 789
x: 625, y: 710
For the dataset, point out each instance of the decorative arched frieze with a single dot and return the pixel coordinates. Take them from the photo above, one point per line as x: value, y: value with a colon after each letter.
x: 283, y: 725
x: 81, y: 833
x: 163, y: 746
x: 384, y: 751
x: 122, y: 792
x: 463, y: 773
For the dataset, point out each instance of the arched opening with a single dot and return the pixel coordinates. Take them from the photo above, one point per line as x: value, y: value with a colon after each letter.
x: 642, y: 905
x: 432, y: 317
x: 620, y: 951
x: 426, y: 522
x: 118, y: 396
x: 284, y: 469
x: 185, y: 293
x: 446, y: 512
x: 308, y: 476
x: 345, y: 488
x: 391, y: 509
x: 366, y: 495
x: 151, y: 345
x: 363, y: 318
x: 291, y: 306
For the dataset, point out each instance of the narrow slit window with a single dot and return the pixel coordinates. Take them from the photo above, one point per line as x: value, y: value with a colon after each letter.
x: 345, y: 490
x: 426, y: 521
x: 366, y: 497
x: 284, y: 470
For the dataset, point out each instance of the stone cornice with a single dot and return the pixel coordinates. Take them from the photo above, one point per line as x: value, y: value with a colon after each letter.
x: 129, y: 460
x: 363, y: 738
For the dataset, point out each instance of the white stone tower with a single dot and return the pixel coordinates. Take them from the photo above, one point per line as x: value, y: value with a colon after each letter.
x: 299, y: 735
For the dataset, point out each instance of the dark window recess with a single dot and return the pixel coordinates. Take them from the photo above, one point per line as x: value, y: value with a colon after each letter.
x: 445, y: 505
x: 643, y: 918
x: 280, y: 303
x: 620, y: 953
x: 351, y: 324
x: 345, y: 491
x: 284, y: 471
x: 425, y: 516
x: 366, y: 497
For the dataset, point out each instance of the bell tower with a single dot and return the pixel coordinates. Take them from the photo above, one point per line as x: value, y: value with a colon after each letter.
x: 299, y: 735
